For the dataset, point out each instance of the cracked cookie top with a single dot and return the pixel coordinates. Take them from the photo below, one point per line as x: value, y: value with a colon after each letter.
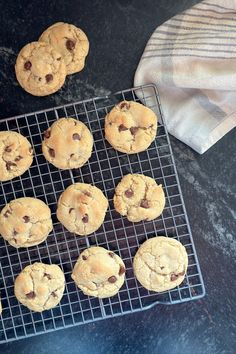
x: 71, y: 42
x: 99, y: 272
x: 139, y: 198
x: 82, y: 208
x: 25, y: 222
x: 130, y: 127
x: 40, y: 286
x: 40, y: 69
x: 160, y: 263
x: 16, y: 155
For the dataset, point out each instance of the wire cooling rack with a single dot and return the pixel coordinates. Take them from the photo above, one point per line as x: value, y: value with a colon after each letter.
x: 104, y: 169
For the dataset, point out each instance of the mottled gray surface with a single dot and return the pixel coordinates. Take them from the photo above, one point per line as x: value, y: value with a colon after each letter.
x: 118, y: 31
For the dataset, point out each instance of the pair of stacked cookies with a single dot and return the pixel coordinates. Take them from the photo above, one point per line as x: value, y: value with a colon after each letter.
x: 41, y: 67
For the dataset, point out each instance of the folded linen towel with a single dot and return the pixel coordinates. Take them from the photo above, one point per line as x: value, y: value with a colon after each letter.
x: 192, y: 60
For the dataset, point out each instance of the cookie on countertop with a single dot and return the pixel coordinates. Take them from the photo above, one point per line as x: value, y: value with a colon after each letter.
x: 67, y: 144
x: 99, y: 272
x: 139, y: 198
x: 40, y: 69
x: 40, y: 286
x: 16, y: 155
x: 25, y: 222
x: 70, y: 41
x: 160, y: 263
x: 130, y: 127
x: 82, y: 208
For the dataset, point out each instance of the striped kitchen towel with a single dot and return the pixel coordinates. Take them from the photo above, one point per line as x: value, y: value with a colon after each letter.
x: 192, y: 60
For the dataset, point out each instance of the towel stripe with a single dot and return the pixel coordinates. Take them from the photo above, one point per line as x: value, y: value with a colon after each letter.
x: 176, y: 42
x: 183, y: 21
x: 197, y: 29
x: 186, y: 55
x: 214, y: 11
x: 218, y: 6
x: 208, y: 16
x: 186, y: 35
x: 173, y: 49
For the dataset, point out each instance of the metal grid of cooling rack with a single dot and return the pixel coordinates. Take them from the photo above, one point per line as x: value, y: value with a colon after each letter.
x: 104, y: 169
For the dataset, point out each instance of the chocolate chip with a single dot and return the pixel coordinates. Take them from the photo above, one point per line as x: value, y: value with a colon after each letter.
x: 124, y: 105
x: 47, y: 276
x: 84, y: 258
x: 162, y: 268
x: 27, y: 65
x: 122, y: 270
x: 51, y: 152
x: 76, y: 136
x: 47, y: 134
x: 85, y: 218
x: 9, y: 165
x: 144, y: 204
x: 30, y: 295
x: 129, y: 193
x: 134, y: 130
x: 8, y: 212
x: 70, y: 210
x: 26, y: 219
x: 49, y: 77
x: 58, y: 59
x: 7, y: 149
x: 18, y: 158
x: 112, y: 279
x: 15, y: 232
x: 87, y: 193
x: 70, y: 44
x: 54, y: 294
x: 173, y: 277
x: 122, y: 128
x: 111, y: 254
x: 71, y: 155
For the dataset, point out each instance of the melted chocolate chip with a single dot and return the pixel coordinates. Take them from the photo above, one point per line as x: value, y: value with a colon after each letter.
x: 54, y: 294
x: 18, y: 158
x: 112, y: 279
x: 122, y: 270
x: 8, y: 212
x: 7, y: 149
x: 87, y: 193
x: 124, y: 105
x: 47, y: 276
x: 173, y: 277
x: 76, y: 136
x: 134, y: 130
x: 122, y: 128
x: 58, y: 59
x: 51, y: 152
x: 9, y: 165
x: 71, y: 155
x: 129, y: 193
x: 47, y: 134
x: 26, y: 219
x: 85, y: 218
x: 84, y: 258
x: 144, y: 204
x: 30, y: 295
x: 15, y: 232
x: 70, y: 44
x: 111, y: 254
x: 49, y: 77
x: 27, y: 65
x: 70, y: 210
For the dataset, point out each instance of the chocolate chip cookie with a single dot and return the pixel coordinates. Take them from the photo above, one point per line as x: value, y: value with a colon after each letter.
x: 130, y: 127
x: 160, y: 263
x: 40, y: 286
x: 67, y: 143
x: 40, y: 69
x: 99, y: 272
x: 25, y: 222
x: 139, y: 198
x: 71, y: 42
x: 16, y: 155
x: 82, y: 208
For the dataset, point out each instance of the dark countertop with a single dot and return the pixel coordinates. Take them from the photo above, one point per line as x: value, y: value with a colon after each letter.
x: 118, y: 31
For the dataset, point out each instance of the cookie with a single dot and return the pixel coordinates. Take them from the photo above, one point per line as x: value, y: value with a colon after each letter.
x: 40, y: 286
x: 99, y: 272
x: 139, y: 197
x: 82, y: 208
x: 16, y: 155
x: 130, y: 127
x: 40, y: 69
x: 71, y: 42
x: 160, y: 263
x: 67, y: 143
x: 25, y: 222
